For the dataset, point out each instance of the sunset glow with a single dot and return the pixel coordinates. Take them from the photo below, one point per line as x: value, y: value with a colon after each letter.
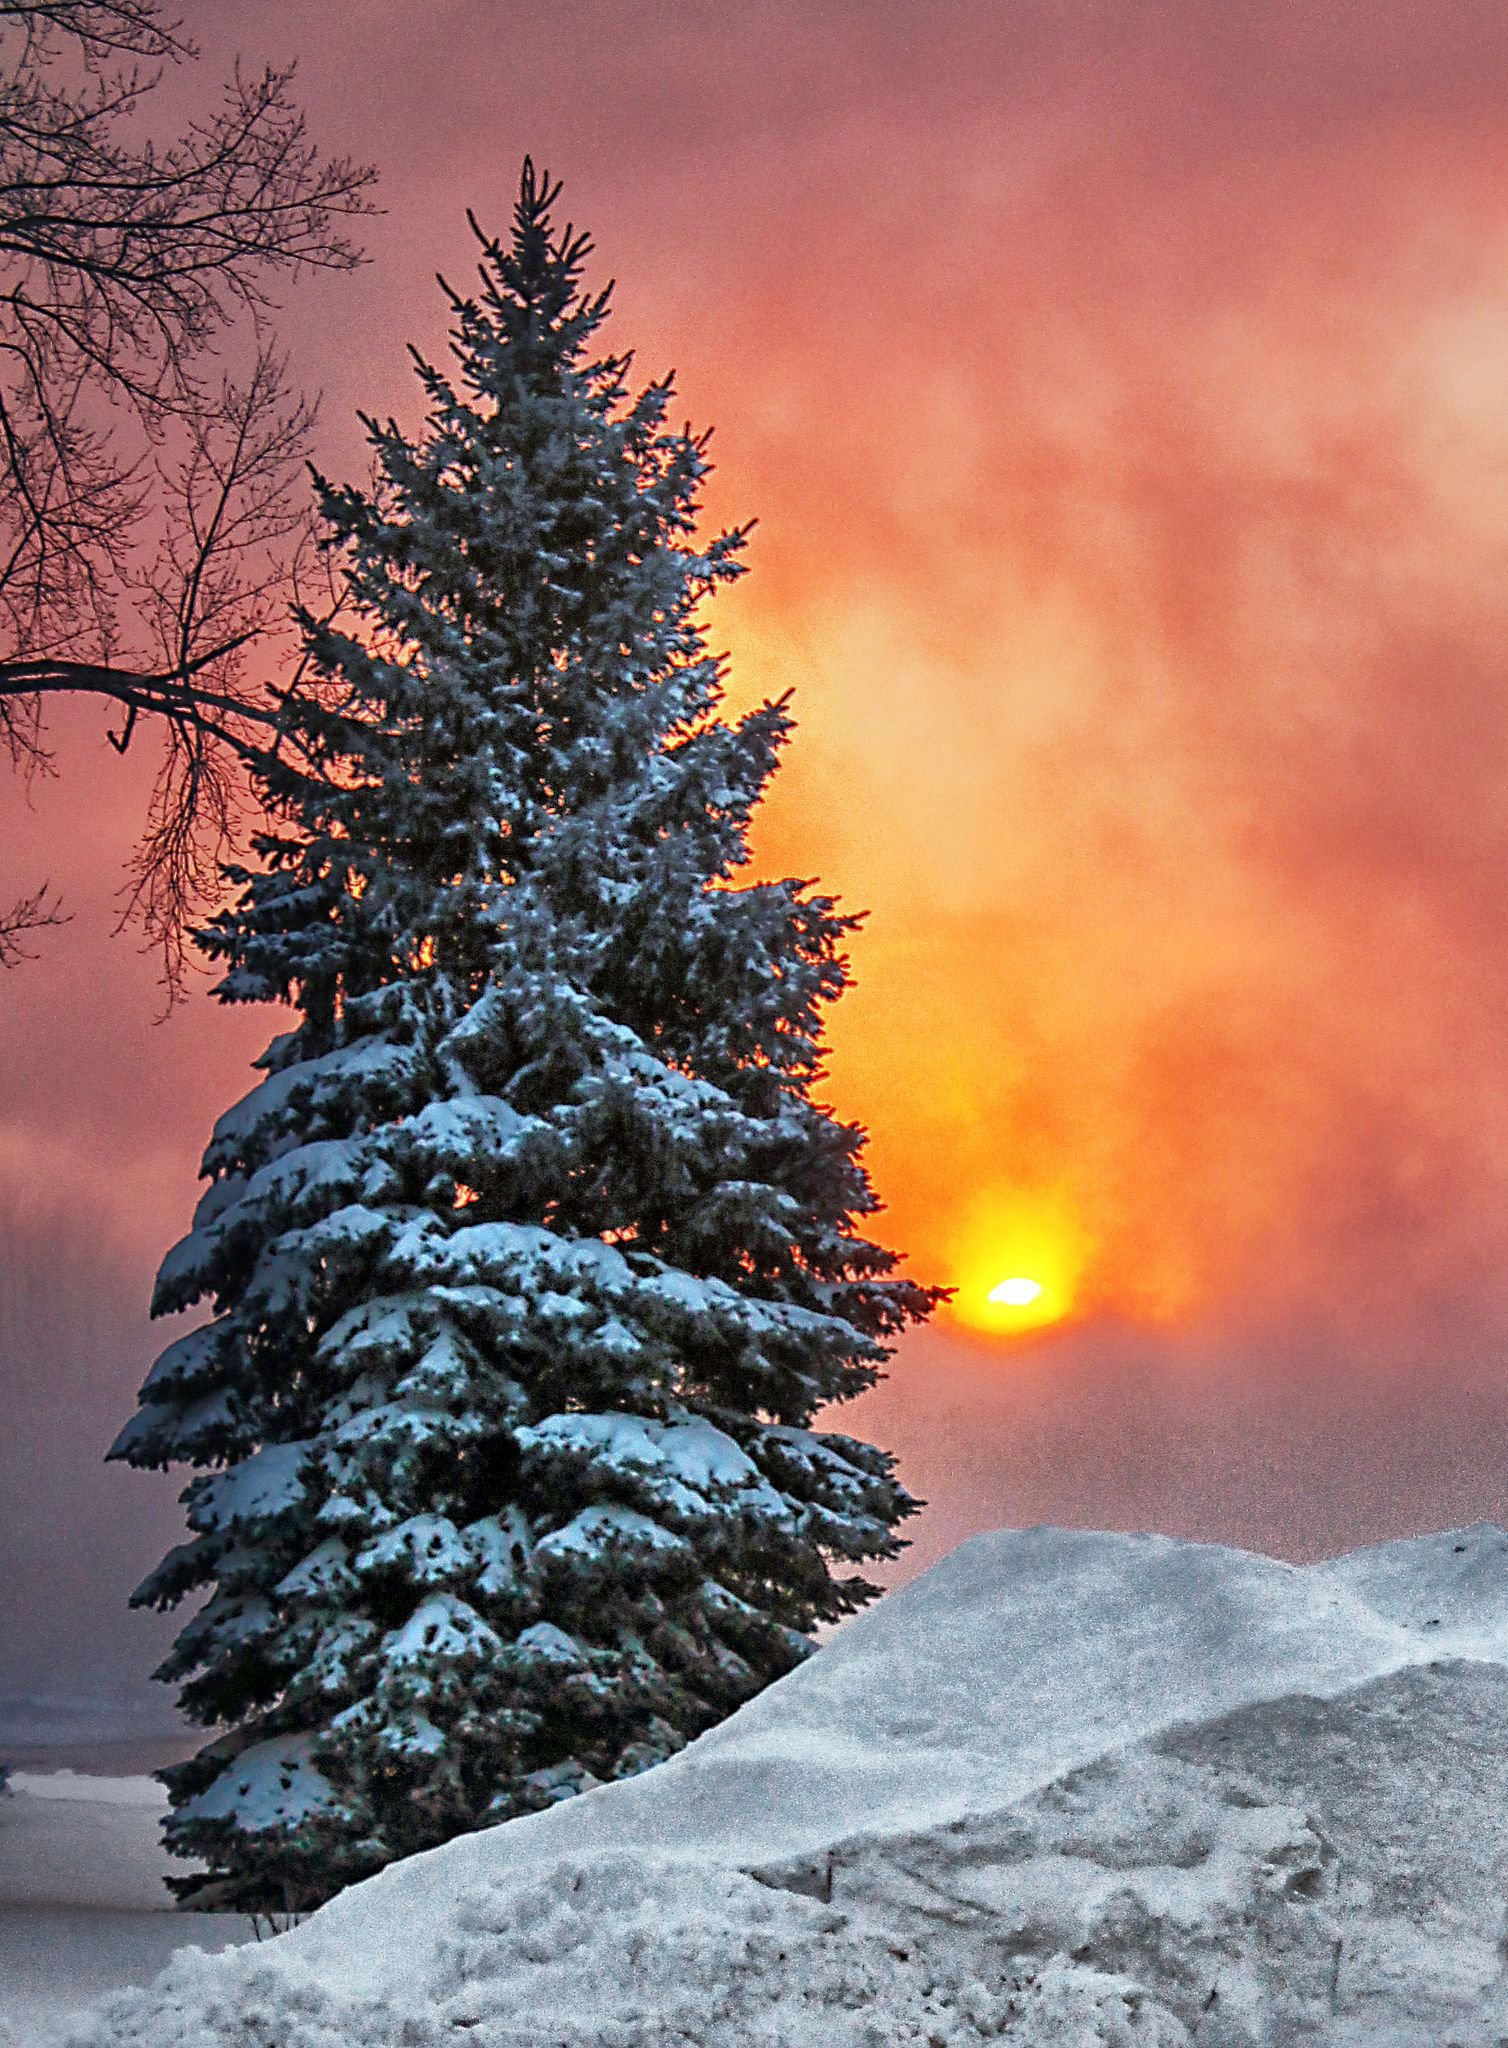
x: 1131, y: 477
x: 1036, y: 1241
x: 1106, y: 595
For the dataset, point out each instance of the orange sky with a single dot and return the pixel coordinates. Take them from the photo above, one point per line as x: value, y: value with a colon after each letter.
x: 1123, y: 396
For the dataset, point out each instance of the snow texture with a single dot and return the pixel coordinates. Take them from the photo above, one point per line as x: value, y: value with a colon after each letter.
x: 271, y: 1785
x: 1067, y: 1790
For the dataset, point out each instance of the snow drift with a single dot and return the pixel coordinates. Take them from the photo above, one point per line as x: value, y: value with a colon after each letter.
x: 1065, y: 1789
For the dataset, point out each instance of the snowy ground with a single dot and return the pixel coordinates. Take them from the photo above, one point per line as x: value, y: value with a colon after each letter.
x: 82, y: 1905
x: 1066, y: 1790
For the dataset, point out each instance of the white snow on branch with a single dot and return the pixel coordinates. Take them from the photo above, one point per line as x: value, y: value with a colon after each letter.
x: 691, y: 1467
x: 264, y: 1484
x: 598, y: 1529
x: 440, y: 1630
x: 271, y: 1785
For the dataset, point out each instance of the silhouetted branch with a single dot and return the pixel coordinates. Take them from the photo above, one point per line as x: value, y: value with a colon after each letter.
x: 153, y: 517
x: 37, y: 912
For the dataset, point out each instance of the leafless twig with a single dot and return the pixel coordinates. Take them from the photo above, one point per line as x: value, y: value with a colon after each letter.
x: 152, y: 511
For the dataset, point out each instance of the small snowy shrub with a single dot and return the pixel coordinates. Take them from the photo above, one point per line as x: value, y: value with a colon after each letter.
x: 532, y: 1257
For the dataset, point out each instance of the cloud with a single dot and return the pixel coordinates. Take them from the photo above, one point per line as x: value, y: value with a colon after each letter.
x: 1134, y: 528
x: 1122, y: 394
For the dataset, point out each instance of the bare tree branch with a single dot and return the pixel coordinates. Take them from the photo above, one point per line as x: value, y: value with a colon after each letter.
x: 153, y: 515
x: 38, y: 912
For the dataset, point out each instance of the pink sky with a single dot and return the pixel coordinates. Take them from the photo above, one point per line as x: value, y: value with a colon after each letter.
x: 1123, y: 396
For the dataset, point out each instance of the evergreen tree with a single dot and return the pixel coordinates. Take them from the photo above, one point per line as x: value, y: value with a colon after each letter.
x: 532, y: 1257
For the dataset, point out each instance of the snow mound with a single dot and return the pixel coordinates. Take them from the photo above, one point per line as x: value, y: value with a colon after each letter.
x: 1068, y: 1790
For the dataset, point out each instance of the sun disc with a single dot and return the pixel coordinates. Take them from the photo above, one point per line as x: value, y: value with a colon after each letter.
x: 1016, y: 1293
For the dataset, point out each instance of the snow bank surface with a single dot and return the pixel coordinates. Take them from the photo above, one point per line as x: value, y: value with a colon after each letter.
x: 1065, y: 1790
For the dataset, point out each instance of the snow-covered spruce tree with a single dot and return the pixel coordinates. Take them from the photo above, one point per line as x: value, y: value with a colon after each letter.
x: 532, y: 1257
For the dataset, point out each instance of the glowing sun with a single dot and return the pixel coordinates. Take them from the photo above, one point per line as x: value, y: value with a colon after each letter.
x: 1032, y: 1236
x: 1016, y: 1293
